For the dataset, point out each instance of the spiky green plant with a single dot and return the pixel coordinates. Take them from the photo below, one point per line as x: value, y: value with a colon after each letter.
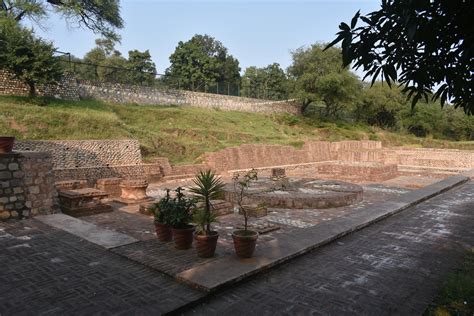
x: 207, y: 186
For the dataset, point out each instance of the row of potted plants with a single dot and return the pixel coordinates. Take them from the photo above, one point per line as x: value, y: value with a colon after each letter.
x: 173, y: 216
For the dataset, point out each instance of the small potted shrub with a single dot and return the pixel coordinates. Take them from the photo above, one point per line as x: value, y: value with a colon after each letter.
x: 207, y: 187
x: 180, y: 215
x: 244, y: 240
x: 161, y: 211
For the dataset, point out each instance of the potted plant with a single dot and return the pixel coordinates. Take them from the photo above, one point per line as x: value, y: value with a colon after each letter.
x: 161, y: 211
x: 244, y: 240
x: 207, y: 187
x: 180, y: 215
x: 6, y: 144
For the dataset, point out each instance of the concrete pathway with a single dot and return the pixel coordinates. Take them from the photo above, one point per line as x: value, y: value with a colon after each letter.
x: 98, y: 235
x: 393, y: 267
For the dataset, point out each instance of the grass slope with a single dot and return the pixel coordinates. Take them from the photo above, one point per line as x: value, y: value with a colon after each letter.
x: 180, y: 133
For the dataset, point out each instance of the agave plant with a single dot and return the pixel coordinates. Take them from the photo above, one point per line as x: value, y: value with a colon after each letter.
x: 207, y: 187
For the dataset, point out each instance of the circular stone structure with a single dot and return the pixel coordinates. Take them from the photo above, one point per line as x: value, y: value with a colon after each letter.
x: 299, y: 193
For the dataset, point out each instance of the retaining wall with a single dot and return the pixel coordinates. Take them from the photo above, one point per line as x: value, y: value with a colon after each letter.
x: 120, y: 93
x: 26, y: 184
x: 72, y: 89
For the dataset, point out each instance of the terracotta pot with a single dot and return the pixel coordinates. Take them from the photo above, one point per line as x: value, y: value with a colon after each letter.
x: 244, y: 242
x: 206, y: 244
x: 163, y: 232
x: 183, y: 237
x: 6, y: 144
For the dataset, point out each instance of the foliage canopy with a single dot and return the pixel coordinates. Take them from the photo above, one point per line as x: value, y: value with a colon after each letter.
x: 200, y: 62
x: 424, y: 45
x: 28, y: 58
x: 100, y: 16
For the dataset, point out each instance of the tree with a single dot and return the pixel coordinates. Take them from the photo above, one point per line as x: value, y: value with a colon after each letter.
x: 424, y: 45
x: 269, y: 82
x: 100, y: 16
x: 200, y: 62
x: 319, y: 77
x: 28, y: 58
x: 104, y: 63
x: 143, y: 70
x: 379, y: 105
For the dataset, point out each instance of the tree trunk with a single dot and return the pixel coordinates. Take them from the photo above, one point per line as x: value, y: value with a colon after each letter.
x: 32, y: 92
x: 304, y: 106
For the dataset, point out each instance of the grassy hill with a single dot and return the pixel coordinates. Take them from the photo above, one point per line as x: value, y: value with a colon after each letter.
x: 181, y: 133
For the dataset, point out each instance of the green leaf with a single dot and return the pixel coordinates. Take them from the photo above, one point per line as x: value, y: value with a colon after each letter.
x: 354, y: 19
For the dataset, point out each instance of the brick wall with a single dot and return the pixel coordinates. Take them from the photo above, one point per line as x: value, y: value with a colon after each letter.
x: 26, y: 184
x: 431, y: 157
x: 253, y: 156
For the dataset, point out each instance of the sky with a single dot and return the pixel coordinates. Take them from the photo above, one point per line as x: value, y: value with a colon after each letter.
x: 257, y: 33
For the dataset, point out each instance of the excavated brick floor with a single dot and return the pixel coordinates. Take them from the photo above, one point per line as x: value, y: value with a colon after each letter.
x: 163, y: 256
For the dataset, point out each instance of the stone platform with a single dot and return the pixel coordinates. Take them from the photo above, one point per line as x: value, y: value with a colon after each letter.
x: 300, y: 193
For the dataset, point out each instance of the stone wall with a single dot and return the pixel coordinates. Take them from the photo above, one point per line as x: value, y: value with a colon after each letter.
x: 93, y: 159
x: 86, y: 153
x: 66, y: 89
x: 120, y: 93
x: 72, y: 89
x: 26, y: 184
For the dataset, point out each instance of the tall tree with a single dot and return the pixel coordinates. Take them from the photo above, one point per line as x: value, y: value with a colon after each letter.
x: 28, y: 58
x: 426, y: 46
x: 100, y: 16
x: 269, y: 82
x: 142, y: 68
x: 379, y: 105
x: 319, y: 77
x: 200, y: 62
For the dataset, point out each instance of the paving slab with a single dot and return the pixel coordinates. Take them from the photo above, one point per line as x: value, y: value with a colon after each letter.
x: 95, y: 234
x: 223, y: 272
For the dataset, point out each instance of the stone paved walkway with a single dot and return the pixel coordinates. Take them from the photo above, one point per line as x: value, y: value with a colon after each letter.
x: 45, y: 271
x: 393, y: 267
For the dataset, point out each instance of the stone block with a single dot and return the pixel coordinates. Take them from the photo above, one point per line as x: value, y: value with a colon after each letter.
x: 34, y: 189
x: 5, y: 175
x: 4, y: 215
x: 18, y: 174
x: 18, y: 190
x: 13, y: 166
x: 3, y: 166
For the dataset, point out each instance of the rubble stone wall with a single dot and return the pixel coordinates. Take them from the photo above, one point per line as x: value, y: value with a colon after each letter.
x: 120, y: 93
x: 86, y: 153
x: 26, y: 184
x: 66, y: 89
